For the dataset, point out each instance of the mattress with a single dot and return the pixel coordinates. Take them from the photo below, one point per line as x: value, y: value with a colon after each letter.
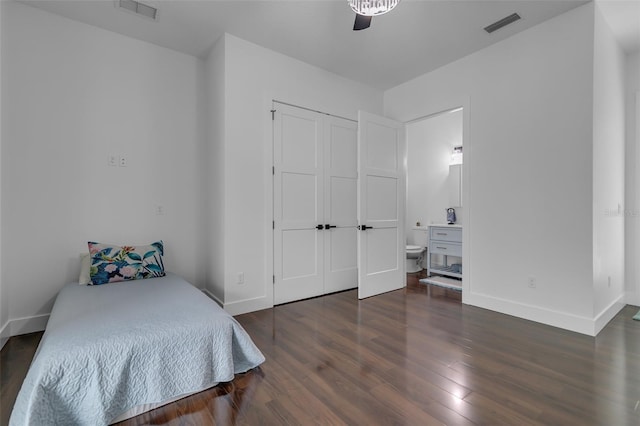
x: 110, y: 348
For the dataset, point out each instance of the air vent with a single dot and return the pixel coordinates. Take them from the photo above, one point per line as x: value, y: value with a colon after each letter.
x: 139, y: 8
x: 502, y: 23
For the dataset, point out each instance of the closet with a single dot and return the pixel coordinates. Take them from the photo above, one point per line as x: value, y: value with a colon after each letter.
x: 315, y: 203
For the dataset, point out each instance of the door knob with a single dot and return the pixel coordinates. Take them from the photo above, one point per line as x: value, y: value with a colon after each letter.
x: 327, y: 226
x: 320, y: 227
x: 364, y: 227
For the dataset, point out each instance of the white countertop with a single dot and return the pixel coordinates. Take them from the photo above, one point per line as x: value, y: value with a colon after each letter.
x: 446, y: 225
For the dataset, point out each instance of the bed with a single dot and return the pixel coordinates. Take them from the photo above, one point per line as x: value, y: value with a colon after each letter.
x: 113, y: 351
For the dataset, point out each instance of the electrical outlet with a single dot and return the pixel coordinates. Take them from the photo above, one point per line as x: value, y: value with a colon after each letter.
x: 123, y: 161
x: 159, y: 210
x: 112, y: 160
x: 531, y: 282
x: 240, y: 278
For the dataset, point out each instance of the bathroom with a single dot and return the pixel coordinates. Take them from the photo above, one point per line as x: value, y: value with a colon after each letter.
x: 434, y: 182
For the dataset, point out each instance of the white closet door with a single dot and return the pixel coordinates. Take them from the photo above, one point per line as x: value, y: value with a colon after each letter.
x: 340, y: 210
x: 298, y: 204
x: 381, y: 246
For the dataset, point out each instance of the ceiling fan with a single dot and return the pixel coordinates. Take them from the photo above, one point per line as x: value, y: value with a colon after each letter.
x: 367, y: 9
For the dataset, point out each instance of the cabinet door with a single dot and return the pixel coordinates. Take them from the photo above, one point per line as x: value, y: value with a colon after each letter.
x: 298, y: 204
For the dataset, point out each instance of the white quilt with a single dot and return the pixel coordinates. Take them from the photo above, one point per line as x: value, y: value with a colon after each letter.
x: 111, y: 347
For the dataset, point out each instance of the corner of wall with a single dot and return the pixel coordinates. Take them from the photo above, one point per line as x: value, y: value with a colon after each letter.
x: 4, y: 335
x: 609, y: 145
x: 214, y: 169
x: 248, y: 305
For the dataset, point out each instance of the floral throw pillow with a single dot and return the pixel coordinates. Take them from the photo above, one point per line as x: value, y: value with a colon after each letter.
x: 110, y: 264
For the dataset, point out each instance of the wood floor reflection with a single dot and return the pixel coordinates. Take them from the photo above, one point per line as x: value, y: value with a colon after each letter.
x: 419, y: 357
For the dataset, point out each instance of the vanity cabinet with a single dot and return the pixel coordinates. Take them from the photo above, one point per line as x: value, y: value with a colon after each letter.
x: 445, y: 251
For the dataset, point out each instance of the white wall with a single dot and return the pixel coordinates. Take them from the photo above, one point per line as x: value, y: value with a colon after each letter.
x: 73, y: 94
x: 632, y: 182
x: 215, y: 169
x: 430, y: 143
x: 608, y: 171
x: 254, y: 77
x: 4, y: 311
x: 527, y: 167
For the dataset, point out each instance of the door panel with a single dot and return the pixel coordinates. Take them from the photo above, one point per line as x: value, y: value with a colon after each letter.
x: 341, y: 265
x: 380, y: 190
x: 298, y: 204
x: 299, y: 198
x: 381, y: 150
x: 299, y: 138
x: 343, y: 154
x: 341, y: 205
x: 383, y: 250
x: 381, y: 193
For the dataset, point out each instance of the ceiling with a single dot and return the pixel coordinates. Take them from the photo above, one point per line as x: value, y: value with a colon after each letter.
x: 415, y: 38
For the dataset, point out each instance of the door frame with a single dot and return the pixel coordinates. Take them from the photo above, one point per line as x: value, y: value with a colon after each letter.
x: 467, y: 183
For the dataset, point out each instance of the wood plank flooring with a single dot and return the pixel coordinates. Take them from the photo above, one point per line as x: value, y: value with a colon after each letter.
x: 407, y: 357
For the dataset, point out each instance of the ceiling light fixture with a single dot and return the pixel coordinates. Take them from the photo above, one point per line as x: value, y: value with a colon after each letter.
x: 372, y: 7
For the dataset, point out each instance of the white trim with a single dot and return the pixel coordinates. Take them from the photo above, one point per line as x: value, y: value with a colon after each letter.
x: 212, y: 296
x: 636, y: 183
x: 607, y: 314
x: 4, y: 335
x: 248, y: 305
x: 28, y: 324
x: 577, y: 323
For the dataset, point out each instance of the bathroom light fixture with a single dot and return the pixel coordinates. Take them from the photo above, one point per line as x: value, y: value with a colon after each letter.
x: 372, y: 7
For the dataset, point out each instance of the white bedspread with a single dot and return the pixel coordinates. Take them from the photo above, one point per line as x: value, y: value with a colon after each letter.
x: 111, y: 347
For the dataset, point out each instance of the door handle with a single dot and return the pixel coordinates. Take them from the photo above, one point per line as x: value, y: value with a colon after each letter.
x: 364, y: 227
x: 327, y: 226
x: 320, y: 227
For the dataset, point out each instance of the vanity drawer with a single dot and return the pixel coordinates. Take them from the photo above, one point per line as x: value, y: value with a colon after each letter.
x: 441, y: 247
x: 445, y: 234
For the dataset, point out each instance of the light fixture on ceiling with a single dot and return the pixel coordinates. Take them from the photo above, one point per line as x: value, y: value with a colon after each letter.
x: 366, y: 9
x: 372, y: 7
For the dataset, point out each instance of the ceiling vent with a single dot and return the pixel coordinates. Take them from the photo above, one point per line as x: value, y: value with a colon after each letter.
x: 138, y: 8
x: 502, y: 23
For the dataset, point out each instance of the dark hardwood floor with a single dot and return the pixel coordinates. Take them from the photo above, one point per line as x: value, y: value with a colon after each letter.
x: 411, y: 357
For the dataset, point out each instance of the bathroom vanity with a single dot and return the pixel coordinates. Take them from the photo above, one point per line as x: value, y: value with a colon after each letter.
x: 445, y: 251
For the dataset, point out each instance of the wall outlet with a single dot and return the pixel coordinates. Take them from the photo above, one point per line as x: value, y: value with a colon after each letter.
x: 159, y: 210
x: 112, y: 160
x: 123, y: 161
x: 240, y: 278
x: 531, y: 282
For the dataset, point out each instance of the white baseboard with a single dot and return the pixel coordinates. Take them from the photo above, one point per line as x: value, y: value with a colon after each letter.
x: 4, y: 335
x: 212, y: 296
x: 579, y: 324
x: 248, y: 305
x: 607, y: 314
x: 28, y: 324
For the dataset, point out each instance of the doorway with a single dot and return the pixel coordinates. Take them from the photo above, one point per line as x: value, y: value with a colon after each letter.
x: 434, y: 175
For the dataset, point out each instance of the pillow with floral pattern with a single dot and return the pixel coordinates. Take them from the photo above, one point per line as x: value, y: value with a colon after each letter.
x: 110, y: 264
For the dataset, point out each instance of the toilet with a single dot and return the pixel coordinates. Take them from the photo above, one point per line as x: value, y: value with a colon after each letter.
x: 415, y: 249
